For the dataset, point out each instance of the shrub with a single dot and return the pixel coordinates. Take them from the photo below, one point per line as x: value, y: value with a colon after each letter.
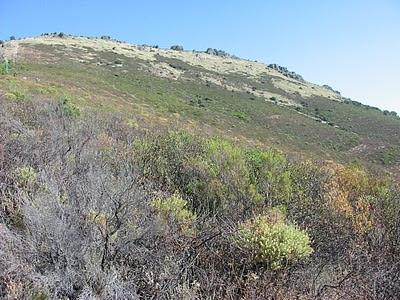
x: 5, y: 67
x: 39, y: 295
x: 240, y: 115
x: 15, y: 95
x: 214, y: 174
x: 98, y: 217
x: 174, y: 207
x: 69, y: 109
x: 227, y: 177
x: 25, y: 176
x: 12, y: 38
x: 271, y: 173
x: 163, y: 157
x: 273, y: 241
x: 349, y: 193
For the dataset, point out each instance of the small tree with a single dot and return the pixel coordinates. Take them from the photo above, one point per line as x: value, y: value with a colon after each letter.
x: 12, y: 38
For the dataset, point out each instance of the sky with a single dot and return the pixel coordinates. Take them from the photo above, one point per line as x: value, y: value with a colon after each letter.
x: 351, y: 45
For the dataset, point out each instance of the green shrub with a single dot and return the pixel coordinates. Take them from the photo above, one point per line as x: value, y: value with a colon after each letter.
x: 272, y: 240
x: 5, y: 67
x: 15, y: 96
x: 38, y: 294
x: 231, y: 168
x: 69, y: 109
x: 48, y: 90
x: 240, y: 115
x: 215, y: 174
x: 271, y: 173
x: 163, y: 157
x: 26, y: 176
x: 174, y: 207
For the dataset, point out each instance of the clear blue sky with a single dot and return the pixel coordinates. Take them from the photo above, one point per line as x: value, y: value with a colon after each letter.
x: 354, y: 46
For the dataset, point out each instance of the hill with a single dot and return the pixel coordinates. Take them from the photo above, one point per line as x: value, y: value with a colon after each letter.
x: 133, y: 172
x: 210, y: 92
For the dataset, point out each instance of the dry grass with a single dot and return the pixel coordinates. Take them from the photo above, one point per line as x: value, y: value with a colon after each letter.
x: 221, y: 65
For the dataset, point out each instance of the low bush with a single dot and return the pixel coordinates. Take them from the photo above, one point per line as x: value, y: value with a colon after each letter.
x: 5, y: 67
x: 68, y: 108
x: 273, y: 241
x: 174, y: 207
x: 25, y: 176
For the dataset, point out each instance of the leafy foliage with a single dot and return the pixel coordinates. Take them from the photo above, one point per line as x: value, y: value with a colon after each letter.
x: 273, y: 241
x: 5, y: 67
x: 174, y: 207
x: 68, y: 108
x: 26, y: 175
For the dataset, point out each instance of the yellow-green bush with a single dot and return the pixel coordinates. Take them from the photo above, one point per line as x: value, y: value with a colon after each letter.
x: 174, y: 207
x: 229, y: 177
x: 25, y: 176
x: 15, y: 95
x: 272, y: 240
x: 163, y: 157
x: 98, y: 217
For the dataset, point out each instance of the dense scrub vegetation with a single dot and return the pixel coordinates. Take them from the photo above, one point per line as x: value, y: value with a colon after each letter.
x: 93, y: 208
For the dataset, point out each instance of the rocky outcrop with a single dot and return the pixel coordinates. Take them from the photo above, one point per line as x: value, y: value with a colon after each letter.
x: 331, y: 89
x: 177, y: 48
x: 220, y: 53
x: 217, y: 52
x: 284, y: 71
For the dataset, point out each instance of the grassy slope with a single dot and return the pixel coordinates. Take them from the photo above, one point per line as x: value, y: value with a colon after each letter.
x: 114, y: 82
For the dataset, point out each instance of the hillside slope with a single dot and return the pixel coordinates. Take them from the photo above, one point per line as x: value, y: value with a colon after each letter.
x: 207, y: 93
x: 101, y: 197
